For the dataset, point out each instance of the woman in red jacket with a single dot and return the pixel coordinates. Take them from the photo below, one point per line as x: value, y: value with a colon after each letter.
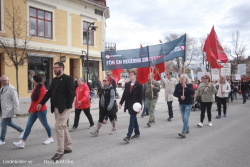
x: 82, y: 103
x: 36, y: 96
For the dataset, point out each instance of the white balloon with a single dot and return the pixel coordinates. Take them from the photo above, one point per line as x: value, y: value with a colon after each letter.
x: 137, y: 107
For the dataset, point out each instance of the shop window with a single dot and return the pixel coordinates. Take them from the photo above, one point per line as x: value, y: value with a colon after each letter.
x: 93, y: 72
x: 40, y: 23
x: 40, y: 66
x: 85, y: 34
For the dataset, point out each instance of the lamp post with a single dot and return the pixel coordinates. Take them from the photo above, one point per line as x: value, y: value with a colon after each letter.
x: 93, y: 28
x: 82, y: 56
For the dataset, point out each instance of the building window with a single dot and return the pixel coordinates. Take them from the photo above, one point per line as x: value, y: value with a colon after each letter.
x: 40, y: 66
x: 91, y: 34
x: 98, y: 12
x: 40, y: 23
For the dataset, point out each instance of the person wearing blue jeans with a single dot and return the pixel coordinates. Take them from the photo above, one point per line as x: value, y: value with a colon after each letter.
x: 36, y: 96
x: 8, y: 122
x: 184, y: 92
x: 145, y: 109
x: 132, y: 94
x: 185, y: 112
x: 133, y: 125
x: 9, y: 106
x: 32, y: 119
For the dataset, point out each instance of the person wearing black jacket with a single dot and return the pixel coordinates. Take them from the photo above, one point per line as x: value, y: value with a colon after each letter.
x: 75, y: 81
x: 185, y: 101
x: 61, y: 93
x: 230, y: 95
x: 244, y: 89
x: 98, y: 85
x: 106, y: 103
x: 132, y: 94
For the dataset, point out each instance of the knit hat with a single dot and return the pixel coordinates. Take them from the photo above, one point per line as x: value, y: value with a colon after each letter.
x: 37, y: 78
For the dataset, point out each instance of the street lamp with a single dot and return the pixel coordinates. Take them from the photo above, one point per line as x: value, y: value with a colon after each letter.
x: 82, y: 56
x: 93, y: 28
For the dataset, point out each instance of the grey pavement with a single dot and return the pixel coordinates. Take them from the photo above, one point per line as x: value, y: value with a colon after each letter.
x: 225, y: 144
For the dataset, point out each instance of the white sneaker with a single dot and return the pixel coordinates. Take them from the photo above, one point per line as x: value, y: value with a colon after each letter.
x: 2, y: 142
x: 200, y: 124
x: 91, y: 127
x: 20, y: 144
x: 113, y: 131
x: 21, y: 135
x: 210, y: 124
x: 48, y: 141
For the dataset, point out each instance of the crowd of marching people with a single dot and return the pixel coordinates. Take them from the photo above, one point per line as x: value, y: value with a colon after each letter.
x: 64, y: 91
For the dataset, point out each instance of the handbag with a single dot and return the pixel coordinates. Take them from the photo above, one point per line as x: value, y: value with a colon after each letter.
x: 198, y: 98
x: 114, y: 109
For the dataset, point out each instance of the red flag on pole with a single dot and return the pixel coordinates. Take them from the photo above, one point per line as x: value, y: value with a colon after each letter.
x: 159, y: 68
x: 116, y: 74
x: 216, y: 47
x: 142, y: 73
x: 210, y: 57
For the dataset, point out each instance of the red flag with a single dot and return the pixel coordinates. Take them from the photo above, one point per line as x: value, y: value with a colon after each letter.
x: 216, y: 47
x: 159, y: 68
x: 210, y: 55
x: 142, y: 73
x: 116, y: 74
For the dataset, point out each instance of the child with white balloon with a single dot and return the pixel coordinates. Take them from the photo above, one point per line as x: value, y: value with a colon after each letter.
x: 132, y: 96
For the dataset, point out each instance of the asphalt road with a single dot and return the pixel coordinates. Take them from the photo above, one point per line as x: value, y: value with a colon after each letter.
x: 225, y: 144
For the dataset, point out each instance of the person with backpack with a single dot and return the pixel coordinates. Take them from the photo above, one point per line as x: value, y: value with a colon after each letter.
x: 106, y: 102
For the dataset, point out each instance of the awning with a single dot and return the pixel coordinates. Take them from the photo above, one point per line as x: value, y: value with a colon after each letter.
x: 40, y: 55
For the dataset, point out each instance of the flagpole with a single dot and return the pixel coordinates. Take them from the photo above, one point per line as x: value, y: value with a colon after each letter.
x: 150, y: 73
x: 211, y: 73
x: 184, y: 61
x: 184, y: 74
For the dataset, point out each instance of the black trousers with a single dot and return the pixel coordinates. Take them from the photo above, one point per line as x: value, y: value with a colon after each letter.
x: 102, y: 113
x: 222, y: 101
x: 206, y: 106
x: 86, y: 112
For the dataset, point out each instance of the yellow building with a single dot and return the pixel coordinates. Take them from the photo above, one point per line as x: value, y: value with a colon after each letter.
x: 58, y: 32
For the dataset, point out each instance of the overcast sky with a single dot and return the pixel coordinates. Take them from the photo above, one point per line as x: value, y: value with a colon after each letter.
x: 133, y: 22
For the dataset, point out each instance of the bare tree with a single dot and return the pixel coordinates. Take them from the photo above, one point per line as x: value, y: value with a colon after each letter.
x: 15, y: 44
x: 191, y: 51
x: 238, y: 46
x: 237, y: 51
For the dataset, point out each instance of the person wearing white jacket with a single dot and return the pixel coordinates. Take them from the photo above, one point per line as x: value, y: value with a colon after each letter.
x: 222, y: 95
x: 169, y: 85
x: 9, y: 107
